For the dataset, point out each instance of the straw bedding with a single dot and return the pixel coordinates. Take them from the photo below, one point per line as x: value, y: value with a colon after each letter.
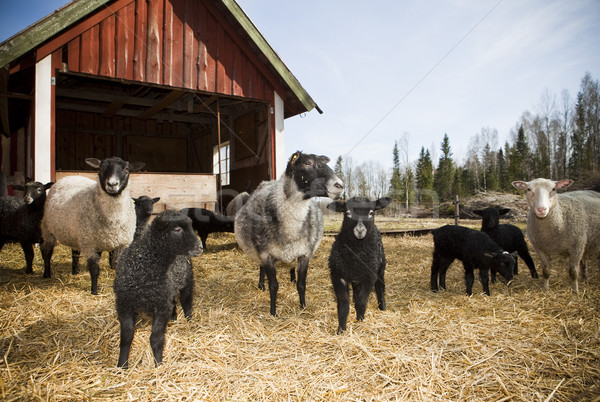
x: 58, y: 342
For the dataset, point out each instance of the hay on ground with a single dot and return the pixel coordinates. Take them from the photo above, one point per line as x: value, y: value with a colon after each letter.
x: 58, y: 342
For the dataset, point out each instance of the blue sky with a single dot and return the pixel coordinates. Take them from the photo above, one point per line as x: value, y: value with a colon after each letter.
x: 384, y: 68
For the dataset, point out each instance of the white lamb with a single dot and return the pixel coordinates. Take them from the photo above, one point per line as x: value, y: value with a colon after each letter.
x: 90, y: 215
x: 562, y: 224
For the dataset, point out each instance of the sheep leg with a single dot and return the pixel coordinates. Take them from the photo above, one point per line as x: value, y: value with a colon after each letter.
x: 545, y: 259
x: 157, y: 337
x: 443, y: 269
x: 28, y: 251
x: 380, y: 288
x: 293, y: 275
x: 583, y: 271
x: 127, y: 321
x: 94, y: 269
x: 186, y: 296
x: 269, y: 269
x: 524, y: 254
x: 483, y: 277
x: 361, y: 293
x: 301, y: 284
x: 575, y: 259
x: 47, y: 250
x: 342, y: 296
x: 75, y: 262
x: 261, y: 278
x: 469, y: 278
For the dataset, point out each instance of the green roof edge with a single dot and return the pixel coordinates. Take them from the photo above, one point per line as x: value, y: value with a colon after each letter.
x: 37, y: 33
x: 271, y: 55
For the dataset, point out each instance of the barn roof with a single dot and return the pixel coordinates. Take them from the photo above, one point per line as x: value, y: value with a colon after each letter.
x: 41, y: 31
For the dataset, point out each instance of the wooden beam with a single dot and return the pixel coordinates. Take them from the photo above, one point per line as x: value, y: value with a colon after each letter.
x: 113, y: 108
x: 162, y: 104
x: 205, y: 104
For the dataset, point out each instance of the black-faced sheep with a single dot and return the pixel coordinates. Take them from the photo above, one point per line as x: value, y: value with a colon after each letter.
x: 357, y: 257
x: 280, y: 222
x: 206, y: 222
x: 90, y: 215
x: 509, y: 237
x: 562, y: 224
x: 150, y: 274
x: 20, y: 218
x: 475, y: 249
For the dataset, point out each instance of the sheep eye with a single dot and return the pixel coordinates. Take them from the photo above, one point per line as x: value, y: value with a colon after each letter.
x: 177, y: 230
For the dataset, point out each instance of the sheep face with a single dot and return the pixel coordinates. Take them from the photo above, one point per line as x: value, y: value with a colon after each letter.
x: 144, y: 206
x: 541, y: 194
x: 503, y: 264
x: 359, y: 214
x: 313, y: 177
x: 33, y: 191
x: 176, y: 234
x: 490, y: 217
x: 113, y: 174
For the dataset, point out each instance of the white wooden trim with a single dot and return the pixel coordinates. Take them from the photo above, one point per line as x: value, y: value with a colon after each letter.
x: 280, y: 157
x: 43, y: 119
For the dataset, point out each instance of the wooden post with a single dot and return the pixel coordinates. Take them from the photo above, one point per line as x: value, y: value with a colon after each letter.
x: 219, y: 183
x: 456, y: 209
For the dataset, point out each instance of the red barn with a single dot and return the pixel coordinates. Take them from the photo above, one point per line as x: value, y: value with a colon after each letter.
x: 190, y: 87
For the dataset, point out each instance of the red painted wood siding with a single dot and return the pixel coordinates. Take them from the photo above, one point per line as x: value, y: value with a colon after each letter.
x: 180, y: 43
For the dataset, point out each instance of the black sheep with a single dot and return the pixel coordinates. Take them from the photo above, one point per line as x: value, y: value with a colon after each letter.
x: 206, y: 222
x: 20, y: 218
x: 475, y: 249
x: 150, y: 274
x: 357, y: 257
x: 509, y: 237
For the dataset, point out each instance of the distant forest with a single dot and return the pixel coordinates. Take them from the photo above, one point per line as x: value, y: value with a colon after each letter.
x: 561, y: 139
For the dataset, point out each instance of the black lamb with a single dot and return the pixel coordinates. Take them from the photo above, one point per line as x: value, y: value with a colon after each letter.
x: 509, y: 237
x: 206, y: 222
x: 20, y: 218
x: 357, y: 257
x: 475, y: 249
x: 150, y: 274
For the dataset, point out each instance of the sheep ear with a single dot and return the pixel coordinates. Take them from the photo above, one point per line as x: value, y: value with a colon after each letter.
x: 325, y: 158
x: 93, y: 162
x: 514, y: 255
x: 521, y: 185
x: 136, y: 166
x: 382, y: 203
x: 503, y: 211
x: 478, y: 212
x: 564, y: 183
x: 155, y: 200
x: 294, y: 156
x: 48, y: 185
x: 18, y: 187
x: 135, y: 200
x: 161, y: 223
x: 337, y: 206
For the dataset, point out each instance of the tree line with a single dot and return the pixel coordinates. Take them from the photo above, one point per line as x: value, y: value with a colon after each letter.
x: 561, y: 139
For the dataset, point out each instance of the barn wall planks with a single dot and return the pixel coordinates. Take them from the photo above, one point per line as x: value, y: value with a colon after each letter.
x: 180, y: 43
x: 176, y: 191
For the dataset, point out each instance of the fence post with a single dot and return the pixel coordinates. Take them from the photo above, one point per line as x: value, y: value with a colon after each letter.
x: 456, y: 209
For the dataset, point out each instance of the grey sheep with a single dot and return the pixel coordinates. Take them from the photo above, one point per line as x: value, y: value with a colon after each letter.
x: 20, y: 218
x: 357, y: 257
x: 150, y: 274
x: 562, y: 224
x: 90, y: 215
x: 280, y: 221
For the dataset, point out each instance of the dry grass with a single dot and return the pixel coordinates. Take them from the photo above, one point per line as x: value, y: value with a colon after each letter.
x: 59, y: 342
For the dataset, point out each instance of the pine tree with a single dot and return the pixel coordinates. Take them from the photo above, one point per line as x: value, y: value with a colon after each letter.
x: 396, y: 180
x: 424, y: 171
x: 444, y: 175
x: 520, y: 158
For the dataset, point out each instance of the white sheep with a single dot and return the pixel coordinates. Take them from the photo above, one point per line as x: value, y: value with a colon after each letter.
x: 562, y: 224
x: 280, y: 221
x: 90, y: 215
